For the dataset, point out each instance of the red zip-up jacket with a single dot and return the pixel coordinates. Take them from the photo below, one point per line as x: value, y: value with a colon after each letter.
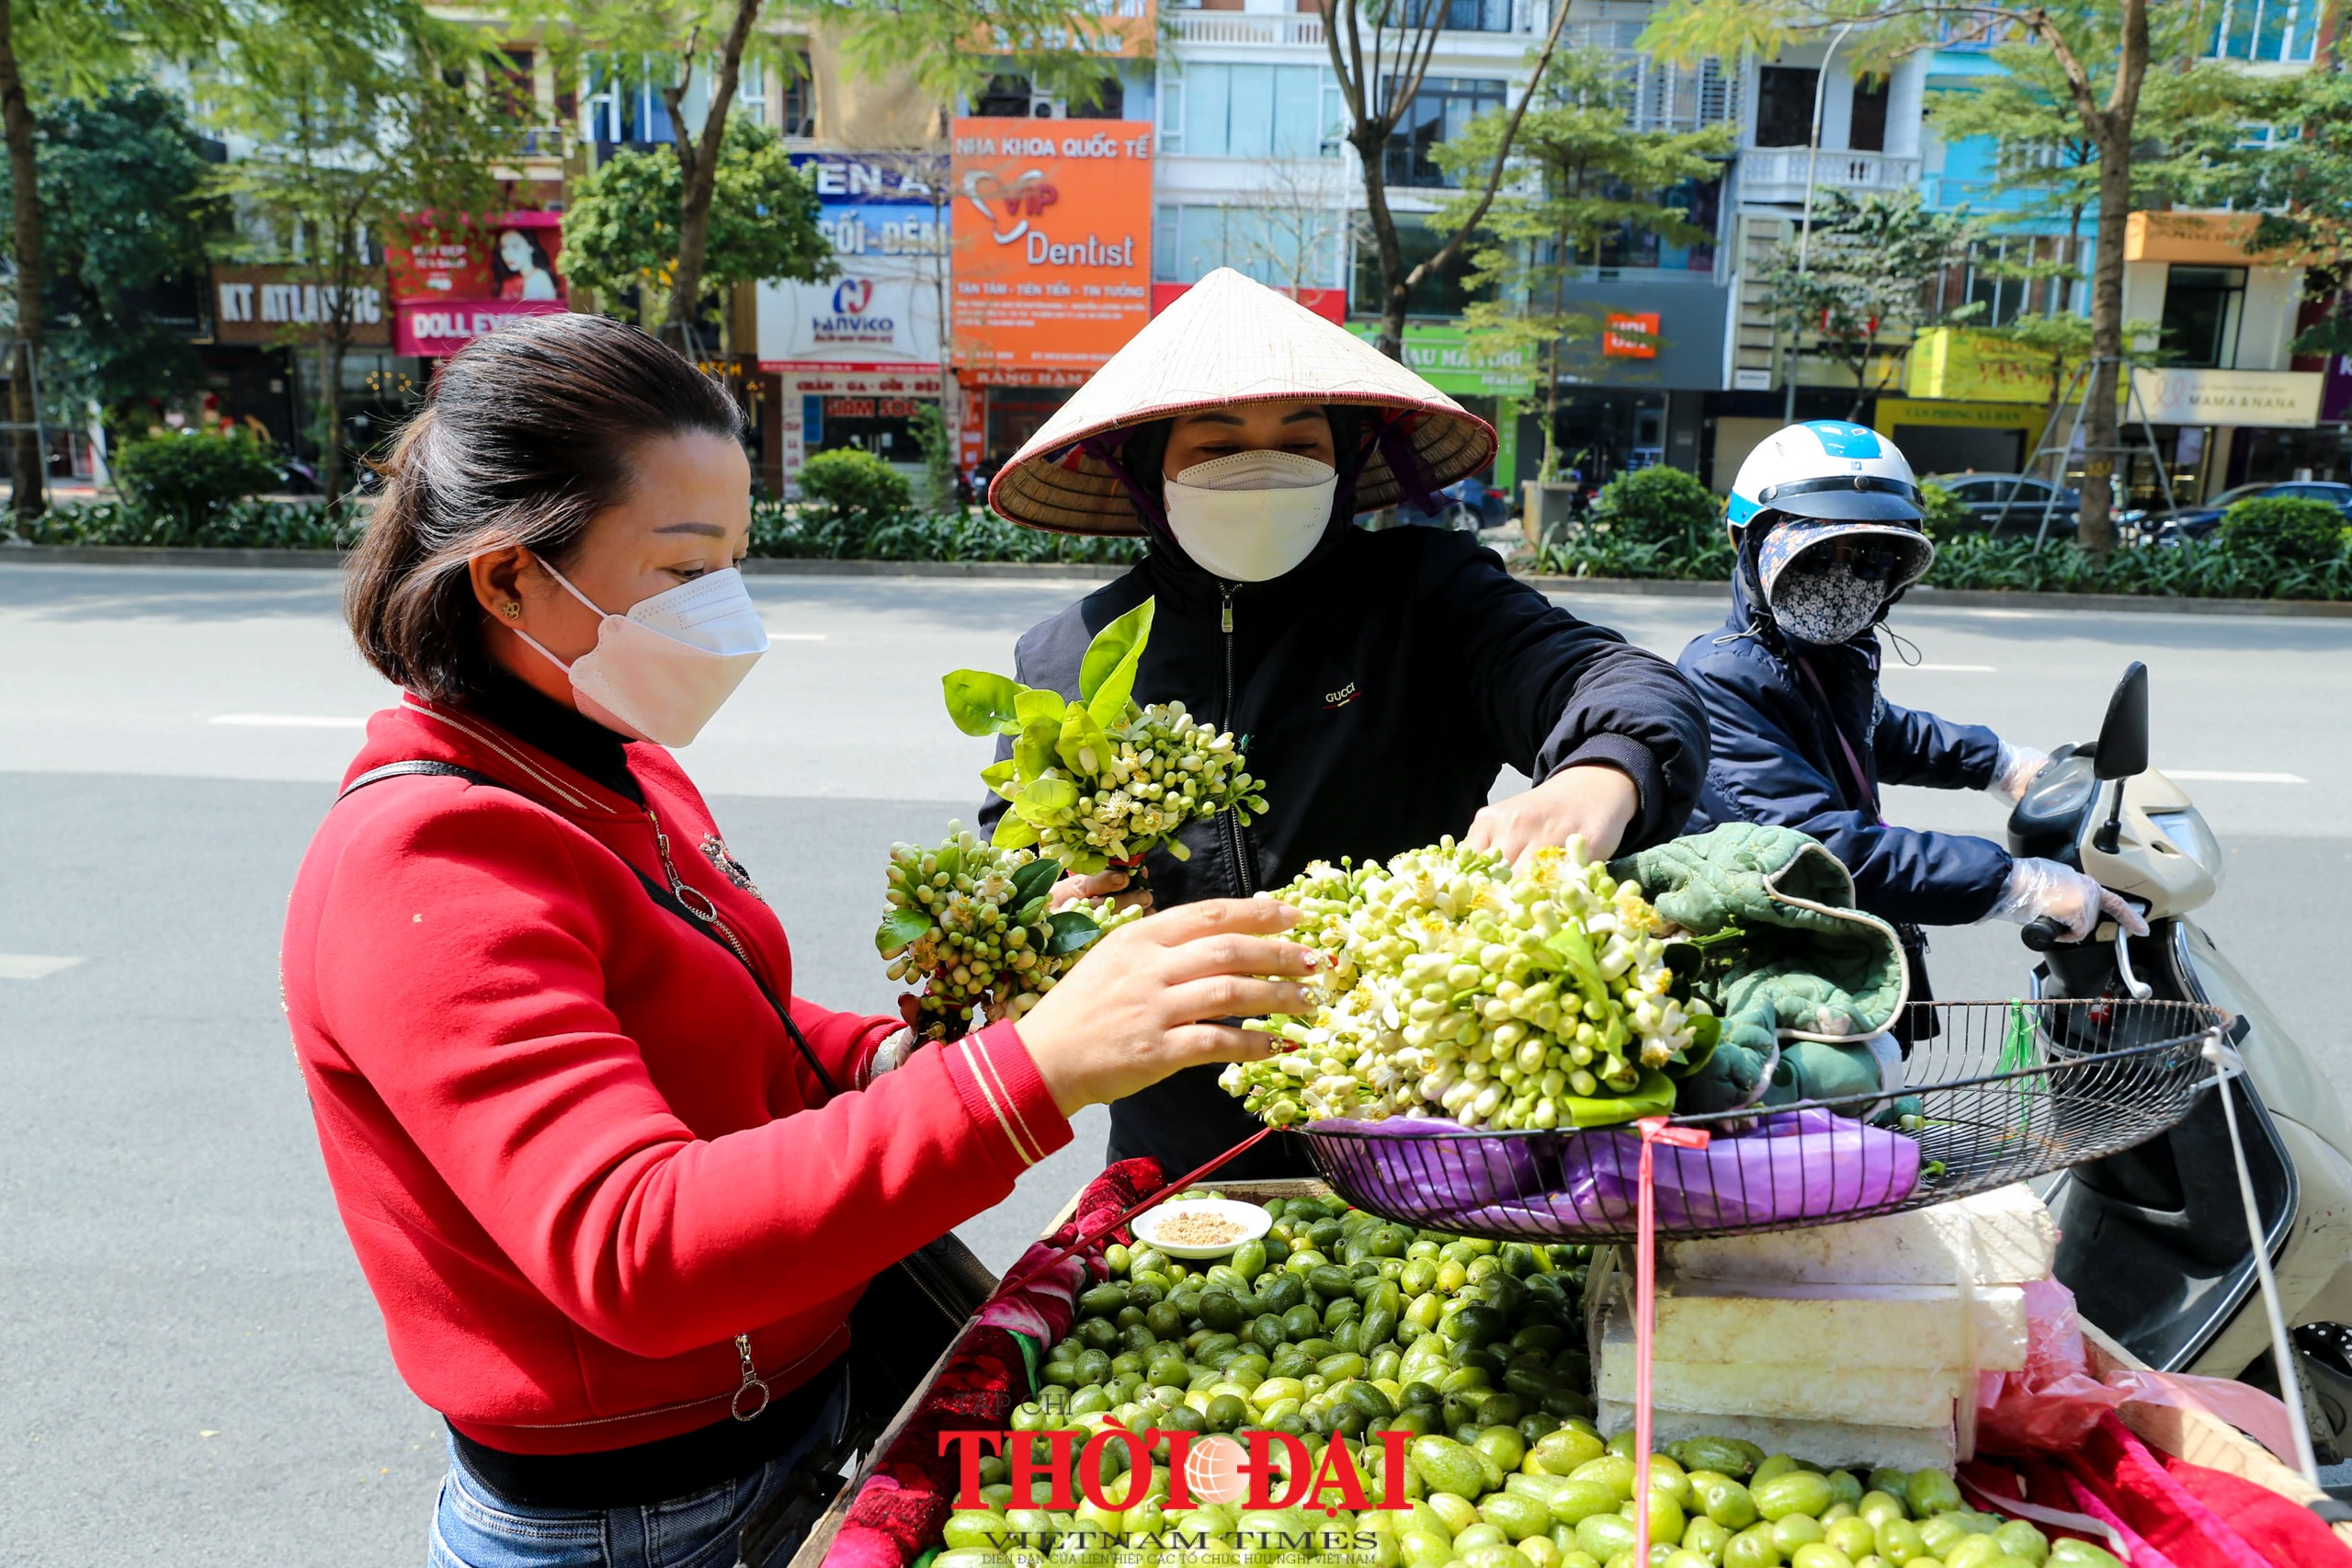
x: 574, y: 1149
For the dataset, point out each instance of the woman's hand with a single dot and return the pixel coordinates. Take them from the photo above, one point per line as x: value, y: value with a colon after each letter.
x: 1593, y: 800
x: 1102, y: 884
x: 1134, y: 1011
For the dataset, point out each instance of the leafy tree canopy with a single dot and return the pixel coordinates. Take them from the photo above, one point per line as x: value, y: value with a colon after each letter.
x: 621, y: 231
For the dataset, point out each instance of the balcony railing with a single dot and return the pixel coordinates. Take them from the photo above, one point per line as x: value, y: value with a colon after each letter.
x: 1660, y: 96
x: 1778, y: 174
x: 1244, y: 27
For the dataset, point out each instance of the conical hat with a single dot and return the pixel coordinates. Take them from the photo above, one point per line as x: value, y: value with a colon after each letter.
x: 1229, y: 340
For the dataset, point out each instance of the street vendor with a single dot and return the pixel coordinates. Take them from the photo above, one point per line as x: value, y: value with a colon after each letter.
x: 616, y: 1188
x: 1825, y: 526
x: 1383, y: 679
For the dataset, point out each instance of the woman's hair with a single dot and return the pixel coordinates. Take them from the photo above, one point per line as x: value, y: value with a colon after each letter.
x: 525, y: 436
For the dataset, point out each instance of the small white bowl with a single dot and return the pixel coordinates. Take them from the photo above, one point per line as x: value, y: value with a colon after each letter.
x: 1254, y: 1220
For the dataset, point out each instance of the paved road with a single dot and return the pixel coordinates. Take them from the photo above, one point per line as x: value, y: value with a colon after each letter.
x: 194, y: 1373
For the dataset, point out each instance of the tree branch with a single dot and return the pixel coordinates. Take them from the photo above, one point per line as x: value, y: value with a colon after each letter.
x: 1501, y: 153
x: 674, y: 99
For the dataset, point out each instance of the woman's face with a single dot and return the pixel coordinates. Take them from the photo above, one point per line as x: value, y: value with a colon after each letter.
x: 688, y: 514
x: 515, y: 250
x: 1296, y: 427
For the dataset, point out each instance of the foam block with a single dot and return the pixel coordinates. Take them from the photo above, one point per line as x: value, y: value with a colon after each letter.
x: 2001, y: 1237
x: 1865, y: 1396
x: 1833, y: 1445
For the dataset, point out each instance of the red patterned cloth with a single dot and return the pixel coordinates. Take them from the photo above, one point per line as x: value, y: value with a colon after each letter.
x: 904, y: 1502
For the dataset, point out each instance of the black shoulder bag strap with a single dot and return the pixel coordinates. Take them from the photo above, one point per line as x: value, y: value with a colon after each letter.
x: 909, y: 1317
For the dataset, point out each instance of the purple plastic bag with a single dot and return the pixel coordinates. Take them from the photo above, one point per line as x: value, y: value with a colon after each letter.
x: 1806, y: 1164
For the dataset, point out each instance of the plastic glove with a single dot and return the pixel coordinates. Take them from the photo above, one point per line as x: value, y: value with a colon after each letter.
x: 2039, y: 888
x: 2015, y: 770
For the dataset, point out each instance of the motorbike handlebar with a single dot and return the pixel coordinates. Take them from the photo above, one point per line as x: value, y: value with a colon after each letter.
x: 2044, y: 934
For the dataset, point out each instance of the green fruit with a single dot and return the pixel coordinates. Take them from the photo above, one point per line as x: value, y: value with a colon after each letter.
x: 1458, y: 1512
x: 1819, y: 1554
x: 1899, y: 1541
x: 1613, y: 1471
x: 1478, y: 1535
x: 1685, y: 1558
x: 1723, y: 1500
x: 2072, y: 1553
x: 1575, y: 1501
x: 1931, y: 1492
x: 1705, y: 1537
x: 1797, y: 1492
x: 1541, y: 1551
x: 971, y: 1557
x: 1517, y: 1517
x: 1878, y: 1505
x: 2019, y: 1539
x: 1719, y: 1454
x: 1542, y: 1488
x: 1888, y: 1481
x: 1942, y: 1533
x: 1854, y: 1537
x: 1794, y: 1530
x: 1225, y: 1412
x: 1560, y: 1452
x: 1836, y: 1512
x: 1497, y: 1557
x: 1667, y: 1474
x: 1766, y: 1469
x: 1844, y: 1487
x: 1666, y: 1518
x: 1503, y: 1444
x: 1424, y: 1549
x: 1448, y: 1466
x: 1974, y: 1552
x: 977, y: 1529
x: 1752, y: 1548
x: 1605, y: 1534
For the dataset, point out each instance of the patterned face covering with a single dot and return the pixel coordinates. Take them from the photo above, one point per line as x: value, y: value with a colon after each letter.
x: 1826, y: 603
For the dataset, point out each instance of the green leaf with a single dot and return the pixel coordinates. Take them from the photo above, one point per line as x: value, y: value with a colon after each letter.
x: 980, y: 703
x: 1014, y: 831
x: 1030, y: 914
x: 900, y: 930
x: 1653, y: 1096
x: 1035, y: 881
x: 1571, y: 943
x: 1033, y: 753
x: 1082, y: 746
x: 1106, y: 673
x: 1045, y: 800
x: 999, y: 776
x: 1071, y: 932
x: 1036, y: 706
x: 1706, y: 1033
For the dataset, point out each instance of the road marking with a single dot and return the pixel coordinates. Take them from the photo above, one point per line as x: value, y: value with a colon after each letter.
x: 1955, y: 669
x: 796, y: 636
x: 289, y: 721
x: 2200, y: 776
x: 32, y: 966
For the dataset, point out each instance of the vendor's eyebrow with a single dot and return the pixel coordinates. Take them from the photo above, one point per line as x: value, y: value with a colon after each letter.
x: 708, y: 530
x: 1303, y: 414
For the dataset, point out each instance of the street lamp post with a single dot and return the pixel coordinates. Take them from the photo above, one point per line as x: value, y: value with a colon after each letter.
x: 1806, y: 235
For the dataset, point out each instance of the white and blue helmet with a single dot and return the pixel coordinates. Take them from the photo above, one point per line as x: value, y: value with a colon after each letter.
x: 1828, y: 481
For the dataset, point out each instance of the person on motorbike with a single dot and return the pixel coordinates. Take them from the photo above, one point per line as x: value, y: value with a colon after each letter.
x: 1380, y: 680
x: 1825, y: 526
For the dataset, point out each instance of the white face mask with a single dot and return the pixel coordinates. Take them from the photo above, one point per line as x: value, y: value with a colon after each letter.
x: 1251, y: 517
x: 658, y: 673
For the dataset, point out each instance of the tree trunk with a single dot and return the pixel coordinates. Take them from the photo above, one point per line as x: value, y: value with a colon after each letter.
x: 1394, y: 294
x: 2096, y: 531
x: 29, y: 464
x: 700, y: 166
x: 330, y: 414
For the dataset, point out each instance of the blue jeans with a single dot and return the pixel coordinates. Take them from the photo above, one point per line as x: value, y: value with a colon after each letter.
x: 473, y: 1528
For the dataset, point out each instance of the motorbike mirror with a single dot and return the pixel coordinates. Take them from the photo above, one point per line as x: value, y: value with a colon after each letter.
x: 2123, y: 738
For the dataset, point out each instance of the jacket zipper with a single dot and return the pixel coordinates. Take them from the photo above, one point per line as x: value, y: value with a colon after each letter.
x: 752, y: 1395
x: 1242, y: 876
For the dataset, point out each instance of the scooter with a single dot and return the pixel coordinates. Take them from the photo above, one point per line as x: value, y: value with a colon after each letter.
x: 2155, y: 1242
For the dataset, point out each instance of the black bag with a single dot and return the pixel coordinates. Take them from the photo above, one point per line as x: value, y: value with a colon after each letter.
x: 909, y: 1315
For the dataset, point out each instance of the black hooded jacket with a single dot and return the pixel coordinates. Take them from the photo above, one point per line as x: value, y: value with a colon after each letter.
x: 1380, y: 686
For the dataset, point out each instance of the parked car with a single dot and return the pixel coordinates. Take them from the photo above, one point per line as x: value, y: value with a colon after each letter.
x: 1471, y: 506
x: 2013, y: 504
x: 2202, y: 522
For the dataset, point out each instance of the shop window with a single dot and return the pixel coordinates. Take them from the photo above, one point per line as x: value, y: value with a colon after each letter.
x: 1005, y: 97
x: 1439, y: 112
x: 2201, y: 308
x: 1246, y: 111
x: 797, y: 99
x: 1439, y: 293
x: 1865, y: 130
x: 1461, y: 15
x: 2280, y: 32
x: 1784, y: 106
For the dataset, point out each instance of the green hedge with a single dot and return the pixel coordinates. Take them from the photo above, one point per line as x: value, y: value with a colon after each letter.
x: 232, y: 525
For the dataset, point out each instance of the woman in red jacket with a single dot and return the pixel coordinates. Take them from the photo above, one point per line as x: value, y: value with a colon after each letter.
x: 612, y: 1209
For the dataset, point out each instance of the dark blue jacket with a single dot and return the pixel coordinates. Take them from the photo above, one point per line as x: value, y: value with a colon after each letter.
x: 1381, y: 687
x: 1775, y: 759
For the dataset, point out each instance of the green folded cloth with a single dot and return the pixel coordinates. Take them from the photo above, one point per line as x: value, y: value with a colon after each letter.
x: 1799, y: 976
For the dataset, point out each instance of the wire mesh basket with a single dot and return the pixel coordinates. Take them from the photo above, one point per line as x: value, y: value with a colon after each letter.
x: 2008, y: 1091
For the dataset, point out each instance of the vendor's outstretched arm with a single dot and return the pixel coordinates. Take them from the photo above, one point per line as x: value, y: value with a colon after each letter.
x: 1914, y: 747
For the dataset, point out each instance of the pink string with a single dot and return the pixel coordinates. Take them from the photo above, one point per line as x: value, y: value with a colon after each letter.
x: 1655, y: 1129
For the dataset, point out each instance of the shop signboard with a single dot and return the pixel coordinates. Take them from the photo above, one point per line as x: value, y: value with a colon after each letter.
x: 452, y: 285
x: 1329, y: 303
x: 881, y: 310
x: 1051, y: 238
x: 2284, y: 398
x: 1444, y: 358
x: 273, y: 304
x: 1977, y: 367
x: 1629, y: 334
